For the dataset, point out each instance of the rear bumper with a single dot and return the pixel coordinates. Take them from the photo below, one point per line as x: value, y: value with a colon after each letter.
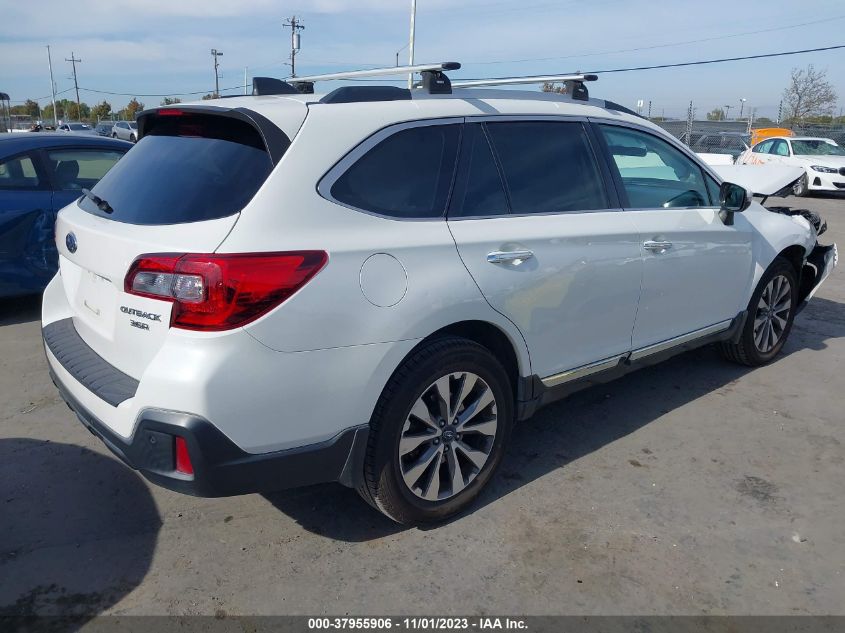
x: 221, y: 468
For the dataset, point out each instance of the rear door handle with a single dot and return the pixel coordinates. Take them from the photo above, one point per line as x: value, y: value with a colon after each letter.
x: 657, y: 246
x: 508, y: 257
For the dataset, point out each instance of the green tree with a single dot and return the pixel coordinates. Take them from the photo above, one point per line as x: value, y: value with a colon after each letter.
x: 210, y: 95
x: 809, y: 94
x: 170, y: 101
x: 131, y: 110
x: 716, y: 114
x: 101, y: 110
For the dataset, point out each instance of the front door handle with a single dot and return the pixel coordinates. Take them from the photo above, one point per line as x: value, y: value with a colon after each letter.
x: 509, y: 257
x: 657, y: 246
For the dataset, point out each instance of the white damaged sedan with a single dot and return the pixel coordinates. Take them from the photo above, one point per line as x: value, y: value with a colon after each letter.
x: 822, y: 160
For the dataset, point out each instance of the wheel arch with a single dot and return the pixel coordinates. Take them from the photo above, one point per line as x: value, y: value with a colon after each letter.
x: 512, y: 354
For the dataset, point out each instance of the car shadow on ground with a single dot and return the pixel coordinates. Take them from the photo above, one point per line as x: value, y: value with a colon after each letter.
x: 567, y: 430
x: 14, y: 310
x: 78, y: 532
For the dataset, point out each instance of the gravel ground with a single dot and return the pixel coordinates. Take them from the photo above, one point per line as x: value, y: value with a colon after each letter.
x: 693, y: 487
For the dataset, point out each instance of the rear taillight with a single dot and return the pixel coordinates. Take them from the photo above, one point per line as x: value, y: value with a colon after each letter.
x: 220, y: 292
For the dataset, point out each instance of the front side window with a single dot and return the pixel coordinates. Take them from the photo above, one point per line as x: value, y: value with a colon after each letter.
x: 406, y: 175
x: 80, y: 168
x: 654, y: 174
x: 548, y: 166
x: 18, y: 173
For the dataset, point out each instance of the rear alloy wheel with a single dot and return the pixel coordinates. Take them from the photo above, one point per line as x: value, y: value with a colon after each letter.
x: 438, y: 432
x: 801, y: 186
x: 448, y: 436
x: 770, y: 315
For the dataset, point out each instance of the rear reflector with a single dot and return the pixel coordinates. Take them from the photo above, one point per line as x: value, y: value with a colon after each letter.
x: 183, y: 458
x: 219, y: 292
x: 170, y: 112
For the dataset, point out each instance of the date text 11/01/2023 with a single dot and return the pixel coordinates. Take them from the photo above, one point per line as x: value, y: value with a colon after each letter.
x: 418, y: 623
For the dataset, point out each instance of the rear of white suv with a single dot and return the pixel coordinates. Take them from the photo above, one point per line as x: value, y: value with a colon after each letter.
x: 269, y: 292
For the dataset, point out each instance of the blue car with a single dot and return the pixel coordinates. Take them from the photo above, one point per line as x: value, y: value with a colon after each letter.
x: 39, y: 174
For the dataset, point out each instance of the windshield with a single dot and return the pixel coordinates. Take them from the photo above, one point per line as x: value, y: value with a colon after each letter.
x: 185, y: 169
x: 133, y: 125
x: 78, y: 126
x: 817, y: 147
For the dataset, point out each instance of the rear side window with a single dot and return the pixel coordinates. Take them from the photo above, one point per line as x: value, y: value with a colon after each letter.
x: 478, y: 186
x: 80, y: 168
x: 763, y: 148
x: 407, y: 175
x: 549, y: 166
x: 186, y: 168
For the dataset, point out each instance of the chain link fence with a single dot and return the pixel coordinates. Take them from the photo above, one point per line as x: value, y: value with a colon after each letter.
x: 734, y: 137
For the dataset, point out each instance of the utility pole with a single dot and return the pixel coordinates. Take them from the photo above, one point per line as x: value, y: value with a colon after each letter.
x: 245, y: 69
x: 741, y: 106
x: 52, y: 88
x: 295, y: 27
x: 727, y: 112
x: 73, y: 61
x: 411, y: 42
x: 215, y: 54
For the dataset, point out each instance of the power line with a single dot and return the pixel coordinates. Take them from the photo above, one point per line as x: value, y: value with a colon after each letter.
x: 719, y: 61
x: 604, y: 71
x: 647, y: 48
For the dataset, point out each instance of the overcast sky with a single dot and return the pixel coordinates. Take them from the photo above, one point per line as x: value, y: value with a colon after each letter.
x: 163, y: 46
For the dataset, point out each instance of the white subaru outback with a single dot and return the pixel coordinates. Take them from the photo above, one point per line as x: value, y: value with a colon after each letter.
x: 371, y: 286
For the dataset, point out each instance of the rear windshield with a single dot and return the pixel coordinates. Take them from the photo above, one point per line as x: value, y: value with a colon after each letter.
x: 186, y: 168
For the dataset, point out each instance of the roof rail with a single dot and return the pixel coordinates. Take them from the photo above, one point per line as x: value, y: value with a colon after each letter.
x: 433, y: 78
x: 574, y: 83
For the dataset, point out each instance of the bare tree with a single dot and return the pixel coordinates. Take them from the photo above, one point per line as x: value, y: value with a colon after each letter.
x: 809, y: 94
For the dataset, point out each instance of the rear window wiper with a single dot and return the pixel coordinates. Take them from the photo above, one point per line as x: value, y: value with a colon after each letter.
x: 102, y: 205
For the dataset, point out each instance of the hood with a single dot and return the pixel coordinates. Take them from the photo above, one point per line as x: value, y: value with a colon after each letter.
x: 827, y: 161
x: 760, y: 180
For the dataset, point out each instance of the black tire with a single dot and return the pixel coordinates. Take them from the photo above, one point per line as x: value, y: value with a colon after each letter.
x: 383, y: 485
x: 113, y: 135
x: 746, y: 351
x: 801, y: 187
x: 131, y: 138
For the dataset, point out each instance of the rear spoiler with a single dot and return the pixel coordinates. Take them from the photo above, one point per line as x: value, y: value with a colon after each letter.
x: 275, y: 140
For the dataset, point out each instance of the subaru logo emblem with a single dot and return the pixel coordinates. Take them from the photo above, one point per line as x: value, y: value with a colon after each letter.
x: 70, y: 242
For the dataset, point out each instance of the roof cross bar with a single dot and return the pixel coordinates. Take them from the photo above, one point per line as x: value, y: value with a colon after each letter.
x: 575, y: 83
x: 378, y: 72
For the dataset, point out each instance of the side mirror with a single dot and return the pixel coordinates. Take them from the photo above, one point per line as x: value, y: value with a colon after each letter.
x: 733, y: 198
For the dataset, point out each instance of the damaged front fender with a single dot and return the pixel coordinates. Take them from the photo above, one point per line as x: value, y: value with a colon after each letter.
x: 820, y: 263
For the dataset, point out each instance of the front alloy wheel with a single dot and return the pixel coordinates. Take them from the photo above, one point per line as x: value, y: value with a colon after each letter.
x: 773, y: 311
x: 448, y: 436
x: 770, y: 313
